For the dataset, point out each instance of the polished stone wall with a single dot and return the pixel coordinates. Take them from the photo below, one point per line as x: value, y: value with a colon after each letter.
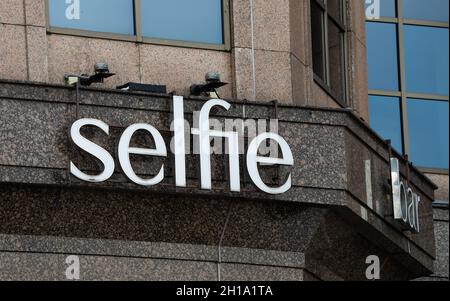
x: 281, y: 54
x: 441, y: 266
x: 44, y: 258
x: 337, y: 213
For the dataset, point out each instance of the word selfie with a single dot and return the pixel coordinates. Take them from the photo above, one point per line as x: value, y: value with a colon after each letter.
x: 203, y: 133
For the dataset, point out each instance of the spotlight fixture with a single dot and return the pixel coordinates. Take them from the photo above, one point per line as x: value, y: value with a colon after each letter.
x: 101, y: 72
x: 209, y: 88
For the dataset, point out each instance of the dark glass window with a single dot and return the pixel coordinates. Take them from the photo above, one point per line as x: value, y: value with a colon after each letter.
x: 335, y: 8
x: 427, y: 10
x: 382, y: 56
x: 328, y: 42
x: 318, y: 48
x: 426, y: 59
x: 194, y: 21
x: 428, y: 133
x: 108, y: 16
x: 385, y: 119
x: 336, y: 59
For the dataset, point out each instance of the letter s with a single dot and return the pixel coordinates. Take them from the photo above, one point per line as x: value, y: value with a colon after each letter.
x: 93, y: 149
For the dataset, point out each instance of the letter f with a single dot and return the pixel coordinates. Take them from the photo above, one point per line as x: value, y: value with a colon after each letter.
x: 205, y: 133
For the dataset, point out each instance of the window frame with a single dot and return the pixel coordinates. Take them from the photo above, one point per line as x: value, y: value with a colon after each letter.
x: 343, y: 101
x: 402, y: 94
x: 139, y: 38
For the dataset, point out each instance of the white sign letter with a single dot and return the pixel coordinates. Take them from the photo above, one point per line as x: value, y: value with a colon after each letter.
x: 180, y: 141
x: 125, y: 150
x: 92, y: 149
x: 205, y: 133
x: 253, y: 159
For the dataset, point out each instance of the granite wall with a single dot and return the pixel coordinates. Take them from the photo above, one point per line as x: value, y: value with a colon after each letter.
x: 337, y: 213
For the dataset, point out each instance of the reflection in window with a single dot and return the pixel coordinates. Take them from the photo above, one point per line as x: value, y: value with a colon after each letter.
x: 427, y: 10
x: 382, y: 56
x: 385, y: 119
x: 161, y: 21
x: 422, y: 56
x: 428, y: 123
x: 426, y: 59
x: 388, y: 8
x: 106, y: 16
x: 196, y: 21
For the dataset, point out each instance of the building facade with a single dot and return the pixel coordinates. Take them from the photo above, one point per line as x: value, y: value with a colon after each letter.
x: 408, y: 88
x: 308, y: 64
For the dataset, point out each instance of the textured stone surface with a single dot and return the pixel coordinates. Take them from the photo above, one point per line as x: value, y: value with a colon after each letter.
x: 273, y: 76
x: 441, y: 265
x: 243, y: 73
x: 35, y: 12
x: 340, y: 253
x: 270, y: 67
x: 242, y: 33
x: 12, y: 12
x: 77, y: 55
x: 37, y: 53
x: 359, y: 78
x: 237, y: 272
x: 114, y: 248
x: 13, y: 55
x: 300, y: 88
x: 330, y: 149
x: 442, y: 236
x: 299, y: 24
x: 52, y: 267
x: 179, y: 68
x: 442, y: 181
x: 357, y: 17
x: 271, y: 25
x: 128, y: 260
x: 319, y: 97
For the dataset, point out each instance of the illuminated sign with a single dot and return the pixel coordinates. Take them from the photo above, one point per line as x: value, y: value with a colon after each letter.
x: 204, y: 134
